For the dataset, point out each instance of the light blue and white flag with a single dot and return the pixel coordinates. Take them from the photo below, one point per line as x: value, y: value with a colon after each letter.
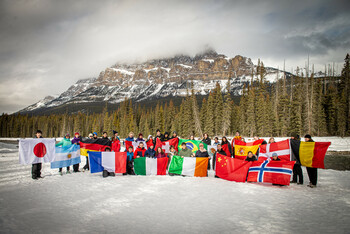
x: 66, y: 156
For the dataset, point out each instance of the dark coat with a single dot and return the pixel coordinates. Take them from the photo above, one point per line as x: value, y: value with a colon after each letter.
x: 207, y: 141
x: 150, y: 153
x: 252, y: 159
x: 201, y: 154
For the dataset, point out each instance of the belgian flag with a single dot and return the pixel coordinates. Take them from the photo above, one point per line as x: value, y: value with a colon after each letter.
x: 93, y: 145
x: 310, y: 154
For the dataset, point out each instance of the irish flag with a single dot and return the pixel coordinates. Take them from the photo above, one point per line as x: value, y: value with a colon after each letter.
x: 191, y: 144
x: 310, y: 154
x: 241, y: 151
x: 150, y: 166
x: 110, y: 161
x: 189, y: 166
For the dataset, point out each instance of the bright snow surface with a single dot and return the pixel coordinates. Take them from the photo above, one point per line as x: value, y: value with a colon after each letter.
x: 84, y: 202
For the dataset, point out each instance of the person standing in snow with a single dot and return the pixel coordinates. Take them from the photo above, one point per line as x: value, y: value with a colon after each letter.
x: 130, y: 161
x: 192, y: 137
x: 218, y: 151
x: 174, y: 135
x: 224, y: 141
x: 216, y: 141
x: 95, y: 135
x: 115, y: 133
x: 115, y: 142
x: 65, y: 142
x: 158, y: 136
x: 36, y: 167
x: 203, y: 153
x: 311, y: 172
x: 140, y: 138
x: 272, y: 140
x: 105, y: 173
x: 297, y: 170
x: 206, y: 139
x: 76, y: 140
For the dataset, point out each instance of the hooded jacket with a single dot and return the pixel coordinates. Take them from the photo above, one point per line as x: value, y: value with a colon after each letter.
x: 64, y: 142
x: 139, y: 152
x: 150, y: 153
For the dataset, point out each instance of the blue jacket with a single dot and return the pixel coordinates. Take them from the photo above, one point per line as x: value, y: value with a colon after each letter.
x: 129, y: 139
x: 129, y: 156
x: 150, y: 153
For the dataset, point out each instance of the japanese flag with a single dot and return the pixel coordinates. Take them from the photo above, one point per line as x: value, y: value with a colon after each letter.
x: 36, y: 150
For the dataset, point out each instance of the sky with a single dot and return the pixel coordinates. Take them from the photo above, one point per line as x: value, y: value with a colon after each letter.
x: 46, y: 46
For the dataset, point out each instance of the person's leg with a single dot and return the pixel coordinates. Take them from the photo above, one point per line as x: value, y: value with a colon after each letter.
x: 38, y: 171
x: 76, y: 167
x: 299, y: 173
x: 34, y: 169
x: 105, y: 173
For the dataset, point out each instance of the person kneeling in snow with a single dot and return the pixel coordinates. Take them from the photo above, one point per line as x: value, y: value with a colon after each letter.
x: 130, y: 161
x: 250, y: 157
x: 105, y: 173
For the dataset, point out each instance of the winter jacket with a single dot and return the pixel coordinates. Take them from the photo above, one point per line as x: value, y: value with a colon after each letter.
x: 140, y: 139
x: 64, y: 142
x: 150, y: 153
x: 278, y: 159
x: 76, y: 140
x: 129, y: 139
x: 129, y: 156
x: 228, y: 146
x: 185, y: 152
x: 252, y: 159
x: 207, y: 141
x: 216, y: 143
x: 116, y: 146
x: 237, y: 138
x: 202, y: 154
x: 165, y: 138
x: 222, y: 152
x: 155, y: 139
x: 170, y: 154
x: 140, y: 152
x: 160, y: 155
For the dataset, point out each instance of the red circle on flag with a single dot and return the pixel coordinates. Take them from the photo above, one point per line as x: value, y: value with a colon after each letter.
x: 39, y: 150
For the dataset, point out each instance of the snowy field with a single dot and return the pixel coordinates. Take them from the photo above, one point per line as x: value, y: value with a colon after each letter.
x: 88, y: 203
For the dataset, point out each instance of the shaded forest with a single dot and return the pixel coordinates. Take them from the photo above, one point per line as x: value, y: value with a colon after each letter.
x: 302, y: 104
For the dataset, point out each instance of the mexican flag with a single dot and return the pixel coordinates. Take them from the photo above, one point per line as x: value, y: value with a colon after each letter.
x: 150, y: 166
x: 191, y: 144
x: 189, y: 166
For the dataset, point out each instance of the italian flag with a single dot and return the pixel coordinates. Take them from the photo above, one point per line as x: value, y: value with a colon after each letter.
x: 150, y: 166
x: 189, y: 166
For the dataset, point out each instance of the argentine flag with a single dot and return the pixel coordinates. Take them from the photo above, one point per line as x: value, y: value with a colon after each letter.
x: 66, y: 156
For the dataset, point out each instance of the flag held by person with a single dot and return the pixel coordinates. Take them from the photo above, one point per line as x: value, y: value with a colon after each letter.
x: 241, y: 151
x: 191, y: 144
x: 189, y: 166
x: 66, y: 156
x: 93, y: 145
x: 310, y: 154
x: 231, y: 169
x: 239, y: 142
x: 275, y: 172
x: 281, y: 148
x: 36, y: 150
x: 165, y: 145
x: 150, y: 166
x: 110, y: 161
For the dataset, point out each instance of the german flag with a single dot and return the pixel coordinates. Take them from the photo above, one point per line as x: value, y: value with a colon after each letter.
x: 93, y: 145
x: 310, y: 154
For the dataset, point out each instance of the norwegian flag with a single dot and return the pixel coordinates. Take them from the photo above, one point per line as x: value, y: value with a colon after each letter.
x: 275, y: 172
x: 281, y: 148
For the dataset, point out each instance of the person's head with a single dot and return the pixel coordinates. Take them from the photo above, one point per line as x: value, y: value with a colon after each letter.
x: 95, y: 135
x: 256, y: 138
x: 166, y: 134
x: 216, y: 139
x: 172, y: 148
x: 250, y: 154
x: 205, y: 135
x: 140, y: 136
x: 191, y: 137
x: 201, y: 146
x: 115, y: 133
x: 274, y: 156
x: 293, y: 136
x: 130, y: 149
x: 307, y: 137
x: 160, y: 150
x: 271, y: 140
x: 243, y: 139
x: 219, y: 146
x: 76, y: 134
x: 104, y: 134
x: 149, y: 137
x: 174, y: 134
x: 38, y: 133
x: 141, y: 144
x: 67, y: 136
x: 131, y: 134
x: 108, y: 149
x: 237, y: 133
x: 151, y: 146
x: 224, y: 139
x: 91, y: 135
x: 158, y: 132
x: 183, y: 145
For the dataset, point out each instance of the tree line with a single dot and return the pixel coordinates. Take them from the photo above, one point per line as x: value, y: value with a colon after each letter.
x: 301, y: 104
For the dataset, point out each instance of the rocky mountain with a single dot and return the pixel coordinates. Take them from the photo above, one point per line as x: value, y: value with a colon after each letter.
x: 159, y: 78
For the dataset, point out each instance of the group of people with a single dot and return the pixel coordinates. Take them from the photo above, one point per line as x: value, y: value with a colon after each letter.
x: 151, y: 152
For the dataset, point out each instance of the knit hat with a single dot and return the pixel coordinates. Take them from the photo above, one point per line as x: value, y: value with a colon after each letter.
x: 150, y: 136
x: 140, y: 134
x: 77, y: 133
x: 294, y: 134
x: 39, y: 131
x: 90, y: 135
x: 67, y: 134
x: 114, y: 132
x: 307, y: 136
x: 158, y: 130
x: 95, y: 133
x: 175, y: 132
x: 274, y: 155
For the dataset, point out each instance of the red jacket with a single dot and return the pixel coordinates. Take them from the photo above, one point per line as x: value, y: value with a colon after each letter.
x: 116, y: 146
x: 139, y: 151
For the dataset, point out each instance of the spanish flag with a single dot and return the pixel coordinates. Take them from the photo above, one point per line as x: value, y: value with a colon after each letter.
x: 310, y: 154
x: 93, y: 145
x: 241, y: 151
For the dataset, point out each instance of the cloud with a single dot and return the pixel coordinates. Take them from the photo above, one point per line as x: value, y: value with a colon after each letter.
x: 46, y: 46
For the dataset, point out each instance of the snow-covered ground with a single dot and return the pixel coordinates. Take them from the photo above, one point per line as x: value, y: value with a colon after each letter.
x: 88, y: 203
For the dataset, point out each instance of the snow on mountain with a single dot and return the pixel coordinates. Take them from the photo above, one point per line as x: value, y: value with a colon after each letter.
x: 159, y: 78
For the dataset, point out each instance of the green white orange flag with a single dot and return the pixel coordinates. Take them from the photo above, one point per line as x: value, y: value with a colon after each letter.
x: 189, y: 166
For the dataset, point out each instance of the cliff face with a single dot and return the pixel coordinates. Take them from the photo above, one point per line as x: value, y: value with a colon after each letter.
x: 159, y: 78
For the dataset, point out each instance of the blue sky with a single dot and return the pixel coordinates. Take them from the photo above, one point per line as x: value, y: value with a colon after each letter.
x: 46, y: 46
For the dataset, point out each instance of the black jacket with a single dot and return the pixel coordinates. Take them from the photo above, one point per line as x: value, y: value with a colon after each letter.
x: 207, y: 141
x: 159, y: 137
x: 252, y: 159
x: 229, y: 148
x: 201, y: 154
